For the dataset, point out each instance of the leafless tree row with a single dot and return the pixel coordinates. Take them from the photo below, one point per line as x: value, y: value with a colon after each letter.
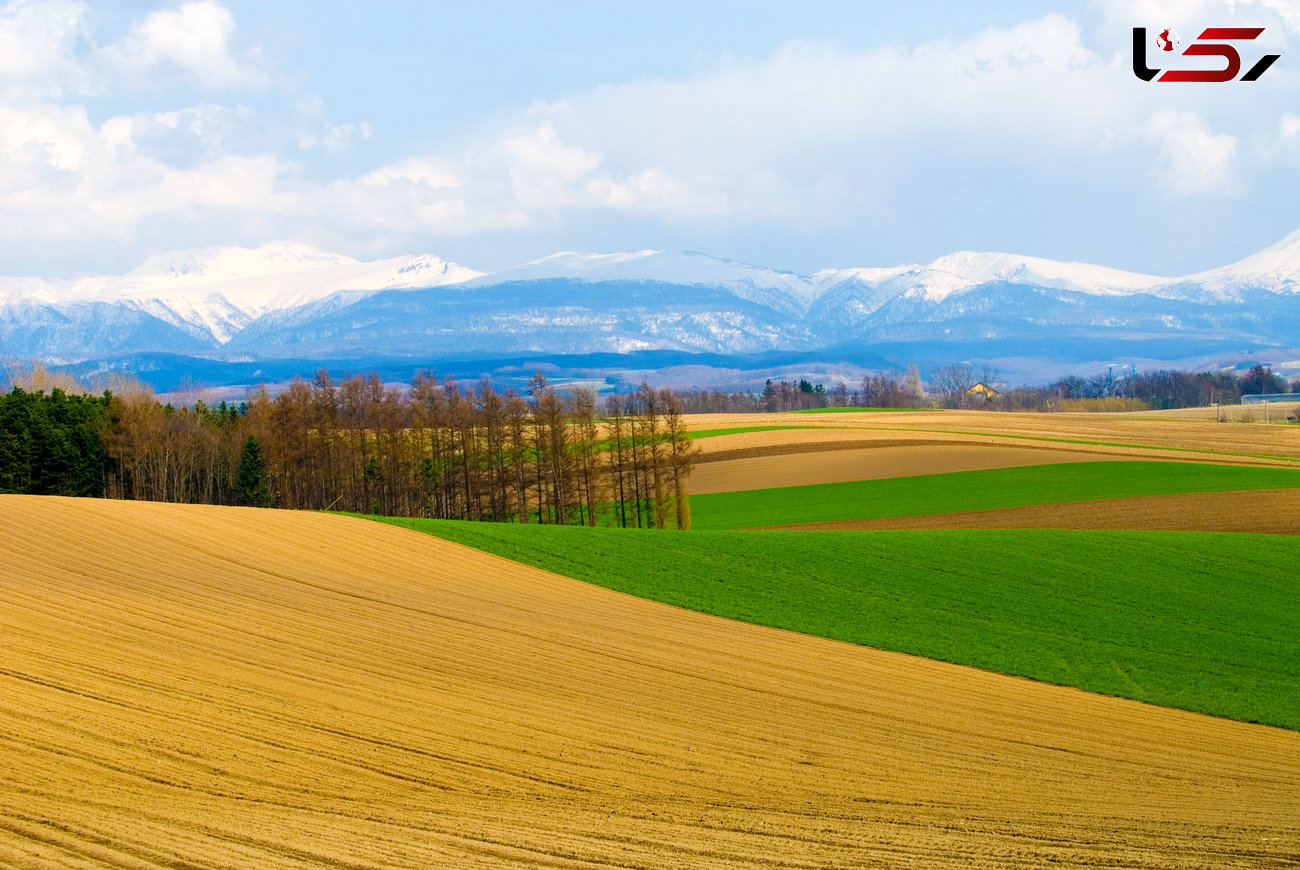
x: 436, y: 449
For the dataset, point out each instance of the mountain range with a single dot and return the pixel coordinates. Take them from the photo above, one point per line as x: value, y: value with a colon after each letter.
x: 289, y: 300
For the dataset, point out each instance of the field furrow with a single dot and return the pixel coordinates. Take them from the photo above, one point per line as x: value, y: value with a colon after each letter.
x: 187, y: 686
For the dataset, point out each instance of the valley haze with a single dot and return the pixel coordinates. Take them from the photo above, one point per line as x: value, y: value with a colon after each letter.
x: 223, y: 316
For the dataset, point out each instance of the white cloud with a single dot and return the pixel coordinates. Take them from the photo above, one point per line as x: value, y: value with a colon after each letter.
x: 1193, y: 159
x: 1042, y: 117
x: 48, y: 50
x: 316, y: 131
x: 50, y: 138
x: 814, y: 130
x: 542, y: 150
x: 1289, y: 128
x: 1287, y: 10
x: 38, y: 47
x: 1284, y: 146
x: 193, y: 39
x: 62, y: 177
x: 1197, y: 14
x: 423, y: 172
x: 334, y: 137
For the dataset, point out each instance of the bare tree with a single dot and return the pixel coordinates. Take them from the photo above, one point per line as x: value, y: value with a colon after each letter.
x: 953, y: 381
x: 681, y: 456
x: 913, y: 386
x: 587, y: 453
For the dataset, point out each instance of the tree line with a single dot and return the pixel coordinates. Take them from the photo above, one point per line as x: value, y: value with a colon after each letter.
x: 435, y: 449
x: 882, y: 390
x: 1161, y: 389
x: 949, y: 387
x: 438, y: 449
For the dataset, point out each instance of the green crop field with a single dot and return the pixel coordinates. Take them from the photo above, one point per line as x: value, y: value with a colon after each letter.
x: 974, y: 490
x: 736, y: 430
x: 1197, y: 620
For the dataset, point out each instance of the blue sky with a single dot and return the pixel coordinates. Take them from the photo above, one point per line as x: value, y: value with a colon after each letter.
x: 795, y: 135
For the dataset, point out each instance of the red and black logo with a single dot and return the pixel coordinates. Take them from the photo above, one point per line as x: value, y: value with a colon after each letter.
x: 1203, y: 46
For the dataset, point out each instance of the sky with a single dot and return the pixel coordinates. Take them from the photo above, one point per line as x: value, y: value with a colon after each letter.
x: 795, y: 135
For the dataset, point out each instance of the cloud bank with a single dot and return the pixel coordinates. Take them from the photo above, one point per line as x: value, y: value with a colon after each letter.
x: 1035, y: 137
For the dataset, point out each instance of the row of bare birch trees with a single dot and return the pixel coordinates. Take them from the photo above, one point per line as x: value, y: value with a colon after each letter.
x: 435, y: 449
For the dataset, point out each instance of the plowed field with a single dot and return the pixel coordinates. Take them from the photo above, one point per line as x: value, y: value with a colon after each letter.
x: 188, y: 686
x: 1132, y: 435
x: 1271, y: 512
x: 780, y: 465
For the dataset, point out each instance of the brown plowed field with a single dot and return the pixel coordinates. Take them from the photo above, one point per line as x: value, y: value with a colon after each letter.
x: 1139, y: 434
x: 187, y: 686
x: 794, y: 464
x: 1271, y: 512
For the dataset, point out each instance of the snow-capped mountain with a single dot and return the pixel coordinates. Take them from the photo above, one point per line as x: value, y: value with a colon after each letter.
x: 209, y: 294
x: 1275, y: 269
x: 287, y: 299
x: 783, y: 291
x: 968, y: 269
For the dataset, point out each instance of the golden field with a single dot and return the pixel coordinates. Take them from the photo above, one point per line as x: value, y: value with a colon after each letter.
x: 871, y: 445
x: 190, y: 686
x: 1147, y: 434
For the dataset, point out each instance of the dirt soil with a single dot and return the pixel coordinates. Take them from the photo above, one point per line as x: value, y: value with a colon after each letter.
x: 1271, y: 512
x: 1140, y: 434
x: 188, y: 686
x: 793, y: 464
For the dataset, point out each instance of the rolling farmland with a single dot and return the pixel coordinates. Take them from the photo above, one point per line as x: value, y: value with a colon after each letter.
x: 976, y: 490
x: 1268, y: 512
x: 191, y: 686
x: 745, y: 468
x: 1145, y: 435
x: 1191, y: 620
x: 196, y: 686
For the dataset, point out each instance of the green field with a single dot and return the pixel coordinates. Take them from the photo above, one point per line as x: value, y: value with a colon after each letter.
x: 1198, y: 620
x: 713, y: 433
x: 974, y: 490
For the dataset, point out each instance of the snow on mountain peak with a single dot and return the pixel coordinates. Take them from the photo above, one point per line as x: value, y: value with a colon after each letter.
x: 757, y: 283
x: 970, y: 268
x: 577, y: 262
x: 202, y: 265
x: 1276, y: 268
x: 219, y: 290
x: 214, y: 293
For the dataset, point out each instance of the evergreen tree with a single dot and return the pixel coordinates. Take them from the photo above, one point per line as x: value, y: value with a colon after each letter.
x: 51, y: 445
x: 252, y: 489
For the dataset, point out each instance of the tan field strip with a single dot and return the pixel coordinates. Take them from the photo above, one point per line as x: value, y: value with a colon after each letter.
x: 1135, y: 435
x: 1270, y: 512
x: 779, y: 465
x: 187, y: 686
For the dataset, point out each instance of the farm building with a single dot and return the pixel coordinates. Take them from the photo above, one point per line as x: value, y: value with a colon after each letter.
x: 981, y: 392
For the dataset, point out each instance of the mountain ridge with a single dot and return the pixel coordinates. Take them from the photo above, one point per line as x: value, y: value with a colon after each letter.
x: 289, y: 299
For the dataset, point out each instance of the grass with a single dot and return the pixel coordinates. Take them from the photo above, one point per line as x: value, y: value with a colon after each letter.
x: 1197, y: 620
x: 713, y: 433
x: 975, y: 490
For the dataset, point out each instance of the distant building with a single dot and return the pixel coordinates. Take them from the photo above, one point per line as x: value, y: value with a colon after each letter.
x: 981, y: 391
